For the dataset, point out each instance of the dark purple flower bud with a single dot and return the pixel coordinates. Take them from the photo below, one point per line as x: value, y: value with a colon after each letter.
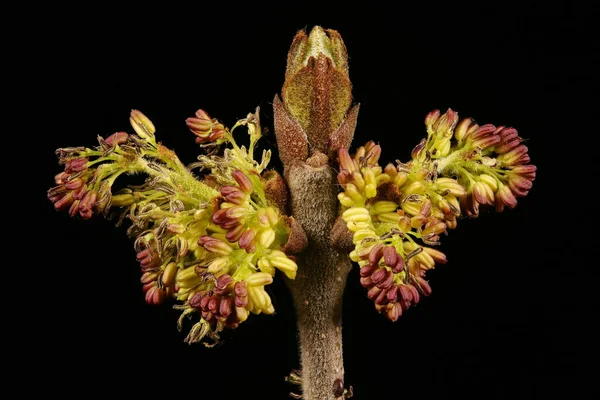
x: 243, y: 181
x: 483, y: 131
x: 61, y: 178
x: 79, y: 193
x: 393, y: 293
x: 240, y: 289
x: 390, y: 256
x: 373, y: 293
x: 204, y: 302
x: 366, y: 282
x: 415, y: 293
x: 226, y: 307
x: 399, y: 266
x: 505, y: 197
x: 234, y: 234
x: 508, y: 134
x: 237, y: 198
x: 387, y: 280
x: 74, y: 184
x: 375, y: 254
x: 207, y: 315
x: 142, y: 254
x: 116, y: 138
x: 241, y: 301
x: 519, y: 184
x: 506, y: 146
x: 516, y: 156
x: 76, y: 165
x: 64, y: 202
x: 223, y: 282
x: 87, y: 204
x: 378, y: 275
x: 405, y: 294
x: 425, y: 287
x: 74, y: 209
x: 227, y: 190
x: 213, y: 304
x: 382, y: 298
x: 367, y: 270
x: 195, y: 301
x: 485, y: 142
x: 246, y: 240
x: 220, y: 216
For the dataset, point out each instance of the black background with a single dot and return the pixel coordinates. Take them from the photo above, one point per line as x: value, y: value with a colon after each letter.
x: 509, y: 313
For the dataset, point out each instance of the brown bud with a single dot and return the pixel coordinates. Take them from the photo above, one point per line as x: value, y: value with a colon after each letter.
x: 317, y: 89
x: 341, y: 237
x: 275, y: 189
x: 297, y: 240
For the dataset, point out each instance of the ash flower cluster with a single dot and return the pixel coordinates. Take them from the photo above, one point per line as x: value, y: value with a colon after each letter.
x: 397, y: 213
x: 212, y: 244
